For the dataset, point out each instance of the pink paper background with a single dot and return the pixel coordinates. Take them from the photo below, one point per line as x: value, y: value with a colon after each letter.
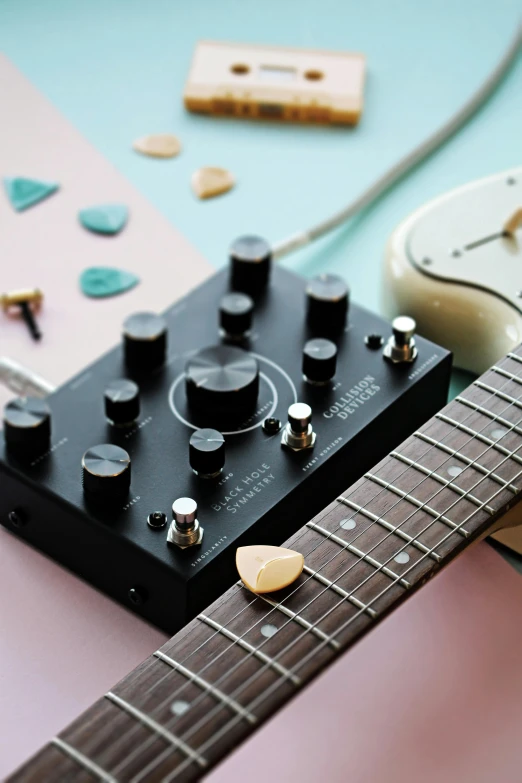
x: 433, y: 694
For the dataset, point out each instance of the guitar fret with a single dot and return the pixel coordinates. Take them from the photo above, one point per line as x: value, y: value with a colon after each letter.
x: 328, y: 583
x: 301, y: 620
x: 158, y: 729
x: 207, y: 686
x: 496, y: 393
x: 506, y: 374
x: 492, y: 416
x: 479, y: 436
x: 82, y: 760
x: 445, y: 482
x: 471, y: 462
x: 251, y: 649
x: 247, y: 657
x: 355, y: 551
x: 388, y: 525
x: 406, y: 496
x: 392, y: 528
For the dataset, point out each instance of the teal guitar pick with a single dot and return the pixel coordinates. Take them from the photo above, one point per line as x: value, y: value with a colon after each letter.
x: 23, y: 193
x: 100, y: 281
x: 105, y: 218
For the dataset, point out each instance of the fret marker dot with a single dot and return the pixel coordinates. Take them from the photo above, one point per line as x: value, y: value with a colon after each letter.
x: 498, y: 433
x: 179, y: 707
x: 348, y: 524
x: 269, y: 630
x: 454, y: 470
x: 401, y: 557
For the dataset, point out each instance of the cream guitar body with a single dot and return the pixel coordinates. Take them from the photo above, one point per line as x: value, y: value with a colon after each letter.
x: 455, y: 265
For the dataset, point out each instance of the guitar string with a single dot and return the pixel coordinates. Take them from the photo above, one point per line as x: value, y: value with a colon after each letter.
x: 488, y: 424
x: 320, y: 543
x: 217, y: 633
x: 267, y: 692
x: 250, y: 705
x: 472, y: 413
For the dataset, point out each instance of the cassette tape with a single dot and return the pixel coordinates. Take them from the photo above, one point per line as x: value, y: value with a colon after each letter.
x: 276, y: 83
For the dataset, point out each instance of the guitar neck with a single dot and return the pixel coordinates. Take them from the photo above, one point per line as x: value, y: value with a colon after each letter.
x: 212, y: 684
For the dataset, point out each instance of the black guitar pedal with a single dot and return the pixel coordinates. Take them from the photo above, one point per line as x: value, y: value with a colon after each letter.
x: 231, y: 419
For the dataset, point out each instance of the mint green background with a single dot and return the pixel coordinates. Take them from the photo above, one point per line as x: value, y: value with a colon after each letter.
x: 116, y: 69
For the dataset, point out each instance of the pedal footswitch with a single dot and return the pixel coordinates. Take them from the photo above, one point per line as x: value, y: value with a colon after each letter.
x: 401, y: 347
x: 298, y: 433
x: 185, y: 529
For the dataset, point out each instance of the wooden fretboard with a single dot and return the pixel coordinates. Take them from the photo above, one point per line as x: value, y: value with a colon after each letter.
x: 213, y: 683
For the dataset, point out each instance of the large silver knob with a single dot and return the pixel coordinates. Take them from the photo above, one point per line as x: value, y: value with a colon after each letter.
x: 298, y: 433
x: 401, y: 345
x: 185, y: 529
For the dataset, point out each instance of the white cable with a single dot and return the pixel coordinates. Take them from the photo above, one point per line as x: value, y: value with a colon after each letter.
x: 22, y: 381
x: 412, y: 159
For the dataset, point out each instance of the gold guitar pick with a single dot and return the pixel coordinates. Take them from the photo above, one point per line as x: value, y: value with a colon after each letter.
x: 265, y: 569
x: 158, y: 145
x: 211, y: 181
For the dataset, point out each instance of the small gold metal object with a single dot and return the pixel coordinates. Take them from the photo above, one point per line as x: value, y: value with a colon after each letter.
x: 28, y: 301
x: 265, y: 569
x: 514, y: 222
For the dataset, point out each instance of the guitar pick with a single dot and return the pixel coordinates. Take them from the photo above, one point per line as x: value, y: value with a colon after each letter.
x: 100, y: 281
x: 158, y: 145
x: 211, y: 181
x: 105, y: 218
x: 265, y: 569
x: 23, y: 193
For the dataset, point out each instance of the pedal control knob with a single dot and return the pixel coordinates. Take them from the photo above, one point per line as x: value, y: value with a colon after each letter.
x: 250, y: 261
x: 319, y: 361
x: 27, y: 426
x: 207, y: 452
x: 122, y: 402
x: 144, y: 341
x: 222, y: 380
x: 327, y: 299
x: 235, y: 314
x: 106, y: 472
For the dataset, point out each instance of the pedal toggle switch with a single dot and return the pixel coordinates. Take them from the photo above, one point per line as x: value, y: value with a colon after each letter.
x: 185, y: 530
x: 401, y: 348
x: 298, y: 433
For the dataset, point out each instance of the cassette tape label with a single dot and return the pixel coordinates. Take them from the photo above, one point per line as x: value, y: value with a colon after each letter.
x: 276, y: 83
